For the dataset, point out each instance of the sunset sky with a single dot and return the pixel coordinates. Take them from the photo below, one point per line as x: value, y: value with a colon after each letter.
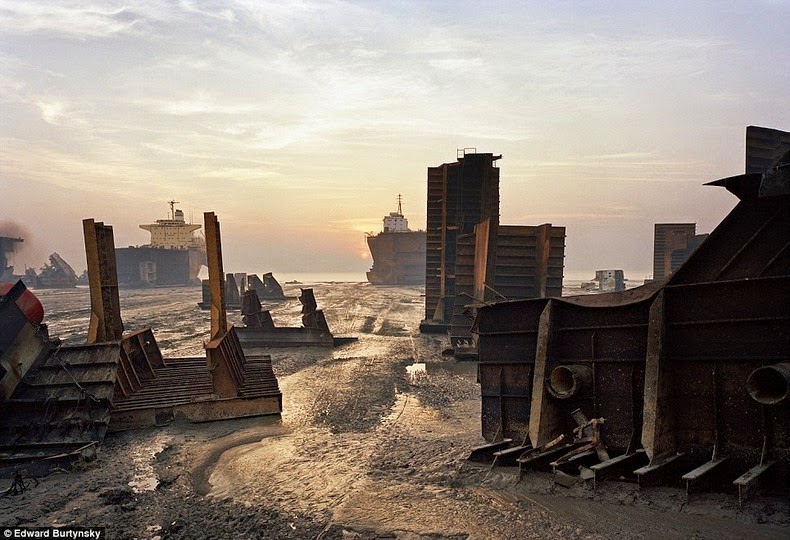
x: 299, y: 123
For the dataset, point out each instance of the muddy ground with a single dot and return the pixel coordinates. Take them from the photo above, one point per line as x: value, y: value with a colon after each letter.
x: 371, y: 444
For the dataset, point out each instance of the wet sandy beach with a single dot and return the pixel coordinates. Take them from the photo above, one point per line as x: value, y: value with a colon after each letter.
x: 371, y: 444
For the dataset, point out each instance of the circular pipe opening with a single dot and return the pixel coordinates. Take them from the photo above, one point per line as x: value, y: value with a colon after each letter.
x: 562, y: 382
x: 769, y: 385
x: 567, y: 381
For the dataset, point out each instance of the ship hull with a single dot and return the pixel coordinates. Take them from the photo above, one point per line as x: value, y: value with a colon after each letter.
x: 158, y: 267
x: 398, y: 258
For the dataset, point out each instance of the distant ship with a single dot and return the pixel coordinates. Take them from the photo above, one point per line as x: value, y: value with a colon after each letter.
x: 58, y: 274
x: 172, y: 258
x: 398, y: 252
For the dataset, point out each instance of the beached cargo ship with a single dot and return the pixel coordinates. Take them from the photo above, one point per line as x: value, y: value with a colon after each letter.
x: 172, y: 258
x: 398, y: 252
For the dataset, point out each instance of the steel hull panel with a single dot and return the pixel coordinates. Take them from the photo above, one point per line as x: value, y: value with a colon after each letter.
x: 146, y: 266
x: 398, y: 258
x: 197, y: 412
x: 251, y: 338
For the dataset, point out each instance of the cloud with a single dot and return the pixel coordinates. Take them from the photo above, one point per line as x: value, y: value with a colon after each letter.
x: 598, y: 214
x: 607, y: 169
x: 362, y: 224
x: 320, y: 110
x: 60, y: 113
x: 69, y: 18
x: 225, y: 14
x: 247, y: 174
x: 201, y: 104
x: 106, y: 168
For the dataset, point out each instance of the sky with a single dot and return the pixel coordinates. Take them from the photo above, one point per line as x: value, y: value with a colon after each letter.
x: 299, y: 123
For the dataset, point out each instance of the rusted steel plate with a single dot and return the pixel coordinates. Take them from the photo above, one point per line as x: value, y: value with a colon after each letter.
x: 507, y: 340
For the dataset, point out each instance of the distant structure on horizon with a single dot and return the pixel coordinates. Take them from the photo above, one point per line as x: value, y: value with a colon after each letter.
x: 57, y: 274
x: 673, y: 243
x: 398, y: 252
x: 764, y: 148
x: 610, y: 280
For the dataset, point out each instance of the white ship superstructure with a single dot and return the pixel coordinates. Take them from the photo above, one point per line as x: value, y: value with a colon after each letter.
x: 172, y: 258
x: 395, y: 221
x: 174, y: 232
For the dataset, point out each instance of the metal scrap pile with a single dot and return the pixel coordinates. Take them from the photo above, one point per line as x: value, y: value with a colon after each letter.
x: 690, y: 378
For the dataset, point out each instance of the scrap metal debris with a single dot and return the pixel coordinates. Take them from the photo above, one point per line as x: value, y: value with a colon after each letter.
x: 260, y: 330
x: 690, y: 374
x: 20, y: 484
x: 59, y: 401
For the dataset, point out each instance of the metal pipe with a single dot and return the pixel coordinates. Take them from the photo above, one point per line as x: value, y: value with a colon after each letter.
x: 568, y: 381
x: 770, y: 385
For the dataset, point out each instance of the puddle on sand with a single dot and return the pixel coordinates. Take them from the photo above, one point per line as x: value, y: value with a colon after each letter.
x: 416, y: 371
x: 143, y: 476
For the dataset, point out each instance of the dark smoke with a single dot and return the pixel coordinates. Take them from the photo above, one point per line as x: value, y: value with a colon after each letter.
x: 23, y: 251
x: 12, y: 230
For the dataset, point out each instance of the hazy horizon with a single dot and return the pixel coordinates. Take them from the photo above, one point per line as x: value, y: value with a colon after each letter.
x: 299, y: 123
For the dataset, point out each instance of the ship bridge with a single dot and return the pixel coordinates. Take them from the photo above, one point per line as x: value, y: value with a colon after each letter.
x: 174, y: 232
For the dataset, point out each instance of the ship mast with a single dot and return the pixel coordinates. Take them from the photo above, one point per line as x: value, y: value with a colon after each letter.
x: 173, y: 208
x: 400, y: 212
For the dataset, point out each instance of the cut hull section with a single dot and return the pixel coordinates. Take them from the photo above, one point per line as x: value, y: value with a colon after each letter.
x: 398, y: 258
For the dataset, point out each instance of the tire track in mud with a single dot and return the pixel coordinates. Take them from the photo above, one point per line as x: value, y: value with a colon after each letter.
x: 311, y: 467
x: 204, y: 464
x: 359, y: 434
x: 331, y: 408
x: 322, y: 395
x: 350, y: 321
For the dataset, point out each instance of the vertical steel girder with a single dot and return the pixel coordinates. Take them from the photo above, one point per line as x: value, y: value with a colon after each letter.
x: 219, y: 318
x: 105, y: 322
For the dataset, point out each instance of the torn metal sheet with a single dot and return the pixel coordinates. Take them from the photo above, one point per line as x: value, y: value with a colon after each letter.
x: 267, y: 288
